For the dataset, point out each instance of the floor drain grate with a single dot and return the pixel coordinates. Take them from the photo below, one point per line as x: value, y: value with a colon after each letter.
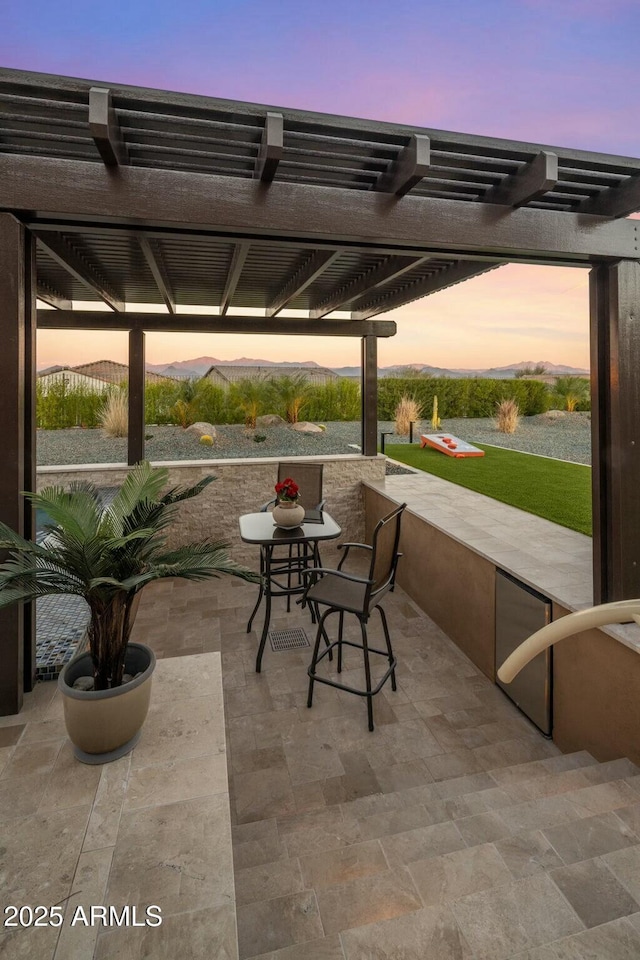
x: 288, y: 639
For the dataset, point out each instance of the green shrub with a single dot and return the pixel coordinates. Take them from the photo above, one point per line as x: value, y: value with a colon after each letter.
x: 472, y: 397
x: 572, y: 393
x: 211, y: 403
x: 61, y: 406
x: 160, y: 399
x: 334, y: 400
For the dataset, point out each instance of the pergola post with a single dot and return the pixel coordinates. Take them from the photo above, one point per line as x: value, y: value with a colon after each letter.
x: 615, y: 389
x: 17, y: 441
x: 369, y: 396
x: 135, y: 444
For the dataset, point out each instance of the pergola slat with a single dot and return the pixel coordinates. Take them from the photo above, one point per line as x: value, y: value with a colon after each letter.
x: 304, y: 276
x: 422, y: 288
x: 64, y: 254
x: 46, y: 294
x: 384, y: 273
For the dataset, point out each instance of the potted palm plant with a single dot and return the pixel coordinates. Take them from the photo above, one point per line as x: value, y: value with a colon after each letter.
x: 107, y: 554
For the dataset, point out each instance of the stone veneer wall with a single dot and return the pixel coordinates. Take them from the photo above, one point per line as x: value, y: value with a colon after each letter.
x: 242, y: 486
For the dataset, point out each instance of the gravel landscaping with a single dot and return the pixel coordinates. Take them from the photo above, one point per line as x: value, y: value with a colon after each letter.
x: 566, y: 437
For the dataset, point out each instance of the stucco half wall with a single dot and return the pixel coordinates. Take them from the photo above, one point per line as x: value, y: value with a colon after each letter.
x: 596, y: 686
x: 241, y: 486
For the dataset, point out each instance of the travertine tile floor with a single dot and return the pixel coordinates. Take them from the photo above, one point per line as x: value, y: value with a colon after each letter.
x: 453, y: 832
x: 150, y: 828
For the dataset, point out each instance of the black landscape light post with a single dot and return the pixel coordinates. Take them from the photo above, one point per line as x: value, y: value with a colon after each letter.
x: 383, y: 434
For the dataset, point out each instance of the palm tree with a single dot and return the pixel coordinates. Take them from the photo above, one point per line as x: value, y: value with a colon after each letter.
x: 107, y: 554
x: 250, y: 396
x: 293, y: 392
x: 573, y: 392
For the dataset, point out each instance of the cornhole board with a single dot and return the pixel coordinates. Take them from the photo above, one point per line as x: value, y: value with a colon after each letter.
x: 452, y: 446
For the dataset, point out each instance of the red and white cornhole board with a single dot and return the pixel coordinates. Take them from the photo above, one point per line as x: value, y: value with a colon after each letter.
x: 452, y: 446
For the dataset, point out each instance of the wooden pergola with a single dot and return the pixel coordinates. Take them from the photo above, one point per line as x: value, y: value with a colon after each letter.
x: 122, y: 196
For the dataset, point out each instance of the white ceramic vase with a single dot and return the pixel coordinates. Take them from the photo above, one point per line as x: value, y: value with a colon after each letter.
x: 288, y: 514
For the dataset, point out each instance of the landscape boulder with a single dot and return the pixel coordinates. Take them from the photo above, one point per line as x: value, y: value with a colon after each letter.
x: 304, y: 426
x: 270, y: 420
x: 554, y: 415
x: 201, y: 429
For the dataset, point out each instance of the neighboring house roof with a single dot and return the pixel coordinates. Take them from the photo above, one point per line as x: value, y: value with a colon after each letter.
x: 232, y: 373
x: 113, y: 372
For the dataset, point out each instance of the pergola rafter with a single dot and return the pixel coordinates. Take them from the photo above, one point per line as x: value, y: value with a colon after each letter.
x: 47, y: 294
x: 238, y: 258
x: 312, y: 267
x: 390, y: 269
x: 158, y: 269
x: 105, y: 128
x: 64, y: 254
x: 271, y: 148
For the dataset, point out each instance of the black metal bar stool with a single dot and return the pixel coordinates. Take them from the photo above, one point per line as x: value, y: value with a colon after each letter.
x: 343, y: 592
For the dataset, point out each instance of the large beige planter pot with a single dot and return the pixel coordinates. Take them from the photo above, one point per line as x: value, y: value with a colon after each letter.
x: 104, y: 725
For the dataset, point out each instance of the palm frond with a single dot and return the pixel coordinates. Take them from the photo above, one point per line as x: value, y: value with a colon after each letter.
x: 10, y: 540
x: 177, y: 494
x: 142, y: 483
x: 74, y: 512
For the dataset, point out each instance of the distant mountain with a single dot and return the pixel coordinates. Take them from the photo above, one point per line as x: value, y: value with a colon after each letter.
x: 497, y: 373
x: 199, y: 365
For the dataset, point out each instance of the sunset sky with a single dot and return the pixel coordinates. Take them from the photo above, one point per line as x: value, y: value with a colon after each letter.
x: 546, y: 71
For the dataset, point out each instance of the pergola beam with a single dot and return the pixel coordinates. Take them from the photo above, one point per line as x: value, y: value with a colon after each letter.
x: 304, y: 276
x: 238, y: 258
x: 422, y: 288
x: 377, y: 277
x: 616, y: 201
x: 105, y: 129
x: 409, y: 167
x: 64, y: 254
x: 78, y: 190
x: 271, y: 148
x: 157, y: 267
x: 285, y: 243
x: 532, y: 180
x: 204, y: 323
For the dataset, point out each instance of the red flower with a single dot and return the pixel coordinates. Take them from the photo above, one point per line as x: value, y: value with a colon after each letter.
x: 288, y: 490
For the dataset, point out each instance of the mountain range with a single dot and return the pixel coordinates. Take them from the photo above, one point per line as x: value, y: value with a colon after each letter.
x: 199, y: 366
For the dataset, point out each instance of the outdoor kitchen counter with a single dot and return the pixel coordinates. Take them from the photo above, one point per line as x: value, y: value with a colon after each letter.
x: 454, y: 540
x: 552, y: 559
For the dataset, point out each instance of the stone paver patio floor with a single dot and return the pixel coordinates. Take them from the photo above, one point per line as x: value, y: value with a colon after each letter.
x: 454, y: 831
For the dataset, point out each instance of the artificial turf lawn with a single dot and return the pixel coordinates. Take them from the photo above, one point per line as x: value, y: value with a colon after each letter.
x: 553, y: 489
